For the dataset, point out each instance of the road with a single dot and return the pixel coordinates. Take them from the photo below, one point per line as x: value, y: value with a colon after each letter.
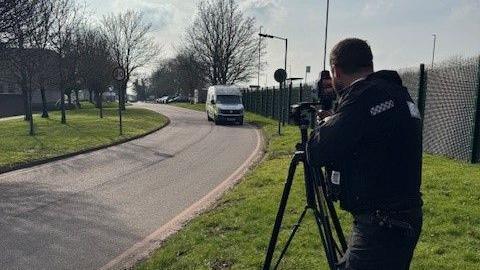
x: 82, y: 212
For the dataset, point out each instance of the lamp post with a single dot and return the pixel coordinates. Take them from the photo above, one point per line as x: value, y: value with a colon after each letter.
x: 326, y: 35
x: 286, y: 45
x: 259, y: 53
x: 434, y: 43
x: 281, y: 98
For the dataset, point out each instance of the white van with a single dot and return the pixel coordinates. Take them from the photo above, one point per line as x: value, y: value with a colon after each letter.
x: 224, y: 104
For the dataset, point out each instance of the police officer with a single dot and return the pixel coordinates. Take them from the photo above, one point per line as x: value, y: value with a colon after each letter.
x: 371, y: 144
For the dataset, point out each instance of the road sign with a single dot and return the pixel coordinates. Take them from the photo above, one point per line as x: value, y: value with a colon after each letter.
x: 308, y: 69
x: 119, y: 74
x: 280, y: 75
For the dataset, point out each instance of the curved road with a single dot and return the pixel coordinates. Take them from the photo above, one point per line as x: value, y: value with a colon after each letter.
x: 83, y: 212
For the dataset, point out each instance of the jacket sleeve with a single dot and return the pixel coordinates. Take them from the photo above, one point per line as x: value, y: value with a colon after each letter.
x: 333, y: 140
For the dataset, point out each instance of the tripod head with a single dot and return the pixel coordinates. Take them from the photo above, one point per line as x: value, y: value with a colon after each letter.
x: 303, y: 115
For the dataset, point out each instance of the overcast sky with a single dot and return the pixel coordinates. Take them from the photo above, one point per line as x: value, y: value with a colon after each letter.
x: 399, y: 31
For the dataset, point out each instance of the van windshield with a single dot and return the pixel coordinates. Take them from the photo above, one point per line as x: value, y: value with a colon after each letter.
x: 228, y: 99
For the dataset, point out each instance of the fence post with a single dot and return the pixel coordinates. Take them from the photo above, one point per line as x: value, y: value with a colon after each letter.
x: 273, y: 102
x: 265, y: 100
x: 300, y: 94
x: 289, y: 101
x: 476, y: 121
x: 284, y: 97
x: 422, y: 91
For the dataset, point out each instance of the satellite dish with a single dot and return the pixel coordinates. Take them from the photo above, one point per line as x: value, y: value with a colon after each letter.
x: 280, y: 75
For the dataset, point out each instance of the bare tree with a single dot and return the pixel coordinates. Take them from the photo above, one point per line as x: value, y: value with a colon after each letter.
x: 95, y: 63
x: 11, y: 14
x: 39, y: 39
x: 66, y: 17
x: 25, y: 46
x: 130, y: 45
x: 224, y: 39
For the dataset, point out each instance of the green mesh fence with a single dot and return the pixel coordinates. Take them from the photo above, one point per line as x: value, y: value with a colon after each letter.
x: 451, y: 106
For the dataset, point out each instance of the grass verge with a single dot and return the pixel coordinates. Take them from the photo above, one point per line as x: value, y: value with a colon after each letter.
x: 235, y: 234
x: 84, y: 130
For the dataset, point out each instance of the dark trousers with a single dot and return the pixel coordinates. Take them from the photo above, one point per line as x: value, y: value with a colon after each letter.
x: 375, y: 247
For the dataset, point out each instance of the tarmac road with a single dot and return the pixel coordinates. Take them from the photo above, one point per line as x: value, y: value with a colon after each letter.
x: 84, y: 211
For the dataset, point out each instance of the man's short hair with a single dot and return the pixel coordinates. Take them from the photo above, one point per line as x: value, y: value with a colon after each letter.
x: 351, y: 55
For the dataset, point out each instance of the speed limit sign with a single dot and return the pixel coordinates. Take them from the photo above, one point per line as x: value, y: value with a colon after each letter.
x: 119, y: 74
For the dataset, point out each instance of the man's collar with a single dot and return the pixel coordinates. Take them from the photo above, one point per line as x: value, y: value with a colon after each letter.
x: 358, y: 80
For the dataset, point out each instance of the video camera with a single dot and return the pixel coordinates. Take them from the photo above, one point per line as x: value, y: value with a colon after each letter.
x: 303, y: 114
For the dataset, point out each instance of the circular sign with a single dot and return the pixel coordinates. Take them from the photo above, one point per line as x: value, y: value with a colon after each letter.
x: 280, y: 75
x: 119, y: 74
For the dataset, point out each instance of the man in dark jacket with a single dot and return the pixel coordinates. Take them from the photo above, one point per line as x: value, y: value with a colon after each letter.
x: 372, y: 147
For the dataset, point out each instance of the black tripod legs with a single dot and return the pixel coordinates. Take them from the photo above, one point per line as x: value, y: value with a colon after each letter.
x: 290, y: 238
x: 323, y: 211
x: 281, y: 210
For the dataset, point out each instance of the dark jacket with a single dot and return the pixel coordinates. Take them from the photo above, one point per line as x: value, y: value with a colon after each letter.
x: 373, y: 143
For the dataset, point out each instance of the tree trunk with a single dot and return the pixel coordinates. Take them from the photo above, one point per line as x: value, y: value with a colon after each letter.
x: 90, y: 95
x: 30, y: 115
x: 69, y: 99
x: 44, y: 103
x: 77, y: 100
x: 99, y: 104
x: 62, y: 105
x: 25, y: 104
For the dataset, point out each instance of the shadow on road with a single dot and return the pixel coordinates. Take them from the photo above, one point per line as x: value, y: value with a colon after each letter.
x: 44, y: 229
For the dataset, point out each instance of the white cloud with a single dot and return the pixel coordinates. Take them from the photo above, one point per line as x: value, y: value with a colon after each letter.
x: 375, y: 7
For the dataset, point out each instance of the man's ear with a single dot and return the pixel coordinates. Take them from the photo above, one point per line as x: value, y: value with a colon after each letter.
x: 334, y: 70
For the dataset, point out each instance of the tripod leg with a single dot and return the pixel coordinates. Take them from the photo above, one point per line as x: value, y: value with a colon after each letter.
x: 337, y: 226
x: 281, y: 210
x: 331, y: 210
x: 326, y: 238
x: 292, y: 234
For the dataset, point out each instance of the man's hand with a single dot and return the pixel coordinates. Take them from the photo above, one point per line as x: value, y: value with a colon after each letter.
x: 322, y: 114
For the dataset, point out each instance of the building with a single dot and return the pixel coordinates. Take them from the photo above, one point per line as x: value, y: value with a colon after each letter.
x: 41, y: 69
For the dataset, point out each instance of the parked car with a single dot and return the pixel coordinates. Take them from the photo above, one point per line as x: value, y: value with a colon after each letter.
x: 161, y: 99
x: 224, y: 104
x: 172, y: 99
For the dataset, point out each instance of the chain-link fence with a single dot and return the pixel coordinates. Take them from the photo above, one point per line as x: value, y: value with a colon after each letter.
x: 448, y: 96
x: 274, y: 102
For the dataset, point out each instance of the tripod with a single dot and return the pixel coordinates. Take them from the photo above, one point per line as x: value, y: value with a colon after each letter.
x: 318, y: 201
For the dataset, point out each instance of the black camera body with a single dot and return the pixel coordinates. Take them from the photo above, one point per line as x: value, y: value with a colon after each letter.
x: 303, y: 114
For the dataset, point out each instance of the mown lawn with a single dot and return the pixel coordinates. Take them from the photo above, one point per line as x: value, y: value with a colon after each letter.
x: 235, y: 234
x: 84, y: 129
x: 198, y: 107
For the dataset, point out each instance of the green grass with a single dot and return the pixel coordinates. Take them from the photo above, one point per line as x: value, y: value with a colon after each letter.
x: 235, y: 234
x: 84, y: 129
x: 197, y: 107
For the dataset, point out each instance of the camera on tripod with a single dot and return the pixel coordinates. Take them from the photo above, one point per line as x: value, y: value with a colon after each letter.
x: 303, y: 114
x: 317, y: 198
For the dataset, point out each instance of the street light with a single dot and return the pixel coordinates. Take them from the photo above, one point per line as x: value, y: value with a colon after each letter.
x: 326, y: 35
x: 433, y: 53
x: 281, y: 38
x: 281, y: 107
x: 259, y: 54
